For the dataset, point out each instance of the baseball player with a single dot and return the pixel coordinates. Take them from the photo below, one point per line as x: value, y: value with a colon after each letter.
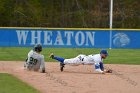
x: 35, y: 61
x: 94, y: 59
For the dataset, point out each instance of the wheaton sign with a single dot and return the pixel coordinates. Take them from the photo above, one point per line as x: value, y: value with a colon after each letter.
x: 56, y: 38
x: 70, y: 38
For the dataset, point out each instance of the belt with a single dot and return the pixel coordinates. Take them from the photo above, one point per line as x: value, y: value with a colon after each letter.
x: 82, y: 59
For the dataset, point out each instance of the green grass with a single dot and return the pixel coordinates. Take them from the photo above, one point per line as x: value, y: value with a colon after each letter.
x: 10, y: 84
x: 116, y: 56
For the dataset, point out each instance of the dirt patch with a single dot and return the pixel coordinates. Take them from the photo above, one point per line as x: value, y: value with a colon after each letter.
x: 79, y: 79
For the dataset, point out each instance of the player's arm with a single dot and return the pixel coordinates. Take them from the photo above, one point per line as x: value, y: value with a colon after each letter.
x: 99, y: 67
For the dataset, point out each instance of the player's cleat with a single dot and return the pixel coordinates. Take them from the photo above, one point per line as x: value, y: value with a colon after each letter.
x: 62, y: 65
x: 51, y: 55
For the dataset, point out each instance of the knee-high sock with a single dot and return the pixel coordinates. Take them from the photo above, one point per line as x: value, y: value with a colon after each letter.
x: 59, y: 59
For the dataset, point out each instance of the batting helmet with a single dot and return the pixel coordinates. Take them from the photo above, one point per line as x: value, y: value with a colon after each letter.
x: 38, y: 48
x: 104, y: 52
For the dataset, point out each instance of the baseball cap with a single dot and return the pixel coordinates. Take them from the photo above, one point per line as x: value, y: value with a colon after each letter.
x: 104, y: 52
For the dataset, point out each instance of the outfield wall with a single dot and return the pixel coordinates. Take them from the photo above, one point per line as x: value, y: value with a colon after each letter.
x: 70, y: 38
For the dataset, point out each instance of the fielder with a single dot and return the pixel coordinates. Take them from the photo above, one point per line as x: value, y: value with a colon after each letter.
x: 95, y: 59
x: 35, y: 61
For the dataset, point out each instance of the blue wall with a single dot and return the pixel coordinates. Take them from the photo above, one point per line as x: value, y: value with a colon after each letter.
x: 88, y: 38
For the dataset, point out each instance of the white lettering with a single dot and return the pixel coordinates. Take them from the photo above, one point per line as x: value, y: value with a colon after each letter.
x: 47, y: 37
x: 90, y: 36
x: 68, y: 34
x: 22, y: 35
x: 58, y: 40
x: 77, y: 38
x: 35, y: 35
x: 66, y: 38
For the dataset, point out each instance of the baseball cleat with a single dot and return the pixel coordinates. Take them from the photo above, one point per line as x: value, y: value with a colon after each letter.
x: 62, y: 66
x: 51, y: 55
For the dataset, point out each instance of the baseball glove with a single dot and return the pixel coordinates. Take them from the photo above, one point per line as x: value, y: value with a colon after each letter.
x: 109, y: 71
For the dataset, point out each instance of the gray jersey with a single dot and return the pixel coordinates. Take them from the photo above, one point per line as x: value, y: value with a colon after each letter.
x: 35, y: 61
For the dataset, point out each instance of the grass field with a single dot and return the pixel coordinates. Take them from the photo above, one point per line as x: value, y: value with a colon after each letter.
x: 116, y: 56
x: 10, y: 84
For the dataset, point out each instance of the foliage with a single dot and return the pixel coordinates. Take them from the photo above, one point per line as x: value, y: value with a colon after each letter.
x: 69, y: 13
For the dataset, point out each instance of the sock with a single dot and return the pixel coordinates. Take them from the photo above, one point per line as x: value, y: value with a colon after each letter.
x: 59, y: 59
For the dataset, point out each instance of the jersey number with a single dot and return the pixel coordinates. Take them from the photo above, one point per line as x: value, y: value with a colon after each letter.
x: 33, y: 61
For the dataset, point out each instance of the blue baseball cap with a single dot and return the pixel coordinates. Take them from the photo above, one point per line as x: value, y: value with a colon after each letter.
x: 104, y: 52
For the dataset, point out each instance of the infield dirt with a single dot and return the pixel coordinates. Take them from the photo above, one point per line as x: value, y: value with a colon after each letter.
x: 77, y: 79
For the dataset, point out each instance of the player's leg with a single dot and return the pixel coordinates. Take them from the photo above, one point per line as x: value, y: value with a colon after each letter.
x: 72, y: 61
x: 60, y: 59
x: 25, y: 63
x: 28, y: 66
